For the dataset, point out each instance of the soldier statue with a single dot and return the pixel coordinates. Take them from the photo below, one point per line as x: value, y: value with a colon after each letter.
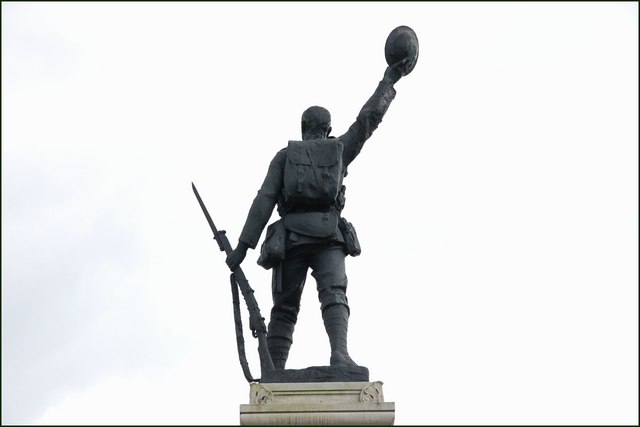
x: 304, y: 181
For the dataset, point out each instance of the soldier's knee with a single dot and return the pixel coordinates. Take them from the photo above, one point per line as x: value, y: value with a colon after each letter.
x: 285, y: 312
x: 332, y: 295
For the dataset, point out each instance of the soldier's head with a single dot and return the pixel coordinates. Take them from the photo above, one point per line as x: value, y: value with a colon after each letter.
x: 316, y: 123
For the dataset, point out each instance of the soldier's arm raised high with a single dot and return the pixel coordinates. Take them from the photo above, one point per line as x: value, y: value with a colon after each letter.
x: 371, y: 113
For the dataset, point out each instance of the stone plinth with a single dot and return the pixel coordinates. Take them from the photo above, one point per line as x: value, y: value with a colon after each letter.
x: 317, y: 403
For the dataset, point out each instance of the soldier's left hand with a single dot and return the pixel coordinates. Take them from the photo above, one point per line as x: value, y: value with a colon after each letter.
x: 394, y: 72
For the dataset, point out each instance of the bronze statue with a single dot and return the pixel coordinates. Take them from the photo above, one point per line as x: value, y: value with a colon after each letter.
x: 304, y: 181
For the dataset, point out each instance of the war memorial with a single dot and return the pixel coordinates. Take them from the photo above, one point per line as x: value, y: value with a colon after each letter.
x: 304, y: 183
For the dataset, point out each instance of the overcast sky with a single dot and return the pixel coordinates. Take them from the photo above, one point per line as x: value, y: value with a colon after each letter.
x: 497, y: 205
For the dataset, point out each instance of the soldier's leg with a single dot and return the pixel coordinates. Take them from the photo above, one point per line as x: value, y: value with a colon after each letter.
x: 329, y: 271
x: 286, y: 305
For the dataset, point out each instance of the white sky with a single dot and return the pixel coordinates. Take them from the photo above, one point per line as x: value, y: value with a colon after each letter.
x: 497, y: 205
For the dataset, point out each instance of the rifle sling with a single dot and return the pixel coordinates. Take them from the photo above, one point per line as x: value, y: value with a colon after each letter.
x: 239, y: 334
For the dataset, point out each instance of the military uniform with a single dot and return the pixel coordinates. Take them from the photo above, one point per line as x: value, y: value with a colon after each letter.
x: 324, y: 255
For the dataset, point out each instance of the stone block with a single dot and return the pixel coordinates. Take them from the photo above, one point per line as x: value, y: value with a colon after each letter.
x: 338, y: 403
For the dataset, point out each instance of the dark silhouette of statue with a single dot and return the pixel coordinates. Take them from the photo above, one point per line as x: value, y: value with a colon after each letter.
x: 305, y: 182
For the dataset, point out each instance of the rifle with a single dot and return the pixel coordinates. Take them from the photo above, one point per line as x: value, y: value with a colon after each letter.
x: 256, y: 321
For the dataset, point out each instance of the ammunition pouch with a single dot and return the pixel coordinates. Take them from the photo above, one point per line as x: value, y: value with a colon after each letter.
x: 272, y: 251
x: 351, y: 243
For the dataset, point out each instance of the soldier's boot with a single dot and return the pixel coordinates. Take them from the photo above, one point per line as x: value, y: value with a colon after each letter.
x: 336, y: 323
x: 279, y: 351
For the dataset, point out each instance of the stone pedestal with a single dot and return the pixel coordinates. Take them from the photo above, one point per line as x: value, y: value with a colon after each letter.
x: 317, y: 403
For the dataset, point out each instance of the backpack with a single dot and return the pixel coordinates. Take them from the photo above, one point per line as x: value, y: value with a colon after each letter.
x: 313, y: 173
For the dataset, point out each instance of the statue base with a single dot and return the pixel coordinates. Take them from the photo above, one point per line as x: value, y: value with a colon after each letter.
x: 317, y: 374
x: 317, y: 403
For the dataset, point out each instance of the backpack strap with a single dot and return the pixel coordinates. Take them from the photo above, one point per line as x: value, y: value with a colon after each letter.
x: 313, y: 165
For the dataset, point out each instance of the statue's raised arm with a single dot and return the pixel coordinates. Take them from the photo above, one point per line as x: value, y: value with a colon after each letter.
x: 401, y: 53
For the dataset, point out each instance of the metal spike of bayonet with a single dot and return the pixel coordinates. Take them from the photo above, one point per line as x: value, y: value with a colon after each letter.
x: 216, y: 233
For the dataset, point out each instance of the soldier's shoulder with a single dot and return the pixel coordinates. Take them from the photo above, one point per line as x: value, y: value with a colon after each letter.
x: 280, y: 156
